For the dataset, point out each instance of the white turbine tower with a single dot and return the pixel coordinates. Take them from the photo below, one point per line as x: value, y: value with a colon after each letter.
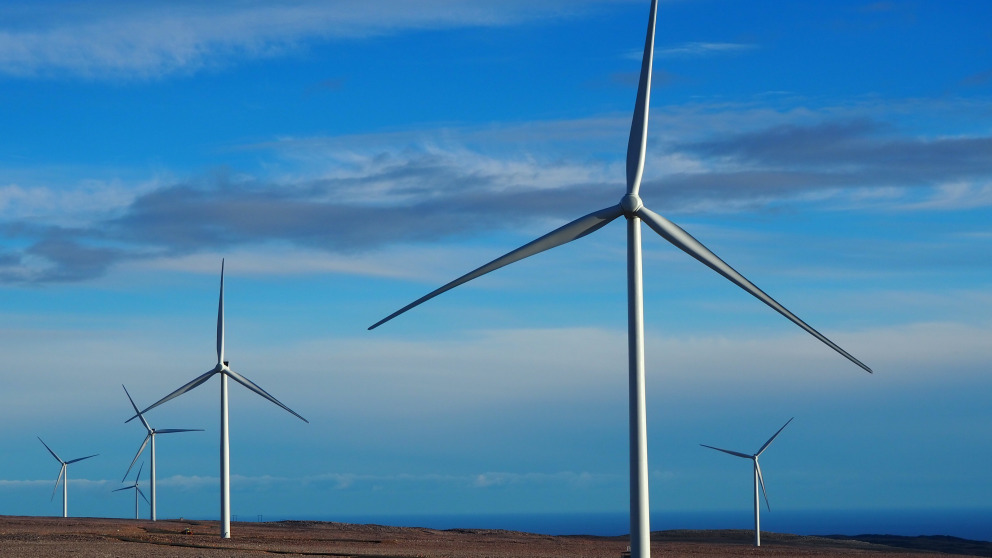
x: 63, y: 472
x: 136, y: 492
x: 150, y: 436
x: 632, y: 208
x: 759, y: 481
x: 224, y: 371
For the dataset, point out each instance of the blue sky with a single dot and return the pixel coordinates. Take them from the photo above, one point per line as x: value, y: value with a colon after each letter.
x: 348, y: 157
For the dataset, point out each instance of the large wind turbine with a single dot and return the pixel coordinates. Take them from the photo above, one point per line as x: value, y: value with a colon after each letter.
x: 63, y: 472
x: 632, y: 208
x: 224, y: 371
x: 150, y: 436
x: 759, y: 481
x: 136, y: 492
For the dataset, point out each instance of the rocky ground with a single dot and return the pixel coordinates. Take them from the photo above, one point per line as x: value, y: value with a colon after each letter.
x: 28, y: 537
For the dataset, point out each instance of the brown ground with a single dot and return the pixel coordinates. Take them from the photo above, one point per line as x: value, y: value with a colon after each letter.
x: 28, y: 537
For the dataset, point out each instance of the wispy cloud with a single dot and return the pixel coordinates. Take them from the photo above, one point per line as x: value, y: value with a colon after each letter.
x: 859, y: 153
x: 125, y: 39
x: 955, y: 196
x: 703, y: 49
x: 486, y: 480
x: 884, y: 6
x: 76, y: 482
x: 353, y: 196
x: 345, y: 480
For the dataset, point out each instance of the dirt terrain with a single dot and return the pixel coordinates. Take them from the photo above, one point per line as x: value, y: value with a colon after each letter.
x: 28, y: 537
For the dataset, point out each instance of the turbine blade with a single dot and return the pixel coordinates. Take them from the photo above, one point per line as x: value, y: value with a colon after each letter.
x: 685, y: 242
x: 142, y: 494
x: 567, y: 233
x: 140, y: 416
x: 194, y: 383
x: 773, y: 437
x: 125, y: 488
x: 761, y: 481
x: 220, y: 317
x: 737, y: 453
x: 80, y: 459
x: 50, y: 450
x: 57, y: 481
x: 137, y: 455
x: 251, y: 385
x: 637, y: 143
x: 138, y: 476
x: 174, y: 430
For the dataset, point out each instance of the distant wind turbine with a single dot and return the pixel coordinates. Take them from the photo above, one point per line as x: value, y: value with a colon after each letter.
x: 224, y: 371
x: 137, y: 491
x: 632, y: 208
x: 758, y: 480
x: 150, y: 436
x: 63, y: 472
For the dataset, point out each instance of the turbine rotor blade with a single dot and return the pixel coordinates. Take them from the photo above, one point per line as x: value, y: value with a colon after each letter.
x: 137, y: 455
x: 125, y: 488
x: 192, y: 384
x: 220, y: 317
x: 761, y: 481
x: 138, y: 476
x: 637, y: 143
x: 252, y: 386
x: 50, y: 451
x: 139, y: 415
x: 774, y: 436
x: 142, y: 494
x: 562, y: 235
x: 174, y: 430
x: 737, y: 453
x: 80, y: 459
x: 685, y: 242
x: 57, y: 481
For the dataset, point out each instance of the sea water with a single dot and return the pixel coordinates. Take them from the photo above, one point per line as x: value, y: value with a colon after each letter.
x: 975, y: 524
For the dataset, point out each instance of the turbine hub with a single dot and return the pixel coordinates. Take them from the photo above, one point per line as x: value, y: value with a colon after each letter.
x: 630, y: 203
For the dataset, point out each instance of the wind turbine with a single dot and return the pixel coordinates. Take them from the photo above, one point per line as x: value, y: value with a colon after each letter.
x: 136, y: 491
x: 150, y: 436
x: 224, y: 371
x: 758, y: 480
x: 632, y: 208
x: 63, y: 472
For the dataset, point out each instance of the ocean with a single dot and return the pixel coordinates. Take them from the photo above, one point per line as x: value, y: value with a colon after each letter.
x: 975, y: 524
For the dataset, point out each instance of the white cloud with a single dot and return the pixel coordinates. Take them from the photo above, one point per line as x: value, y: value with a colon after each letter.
x: 343, y: 481
x: 428, y: 186
x: 50, y: 483
x: 491, y: 479
x: 961, y: 195
x: 99, y: 39
x: 70, y: 205
x: 428, y: 264
x: 703, y: 49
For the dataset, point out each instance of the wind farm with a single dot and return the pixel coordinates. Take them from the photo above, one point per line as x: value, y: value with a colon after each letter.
x: 341, y: 161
